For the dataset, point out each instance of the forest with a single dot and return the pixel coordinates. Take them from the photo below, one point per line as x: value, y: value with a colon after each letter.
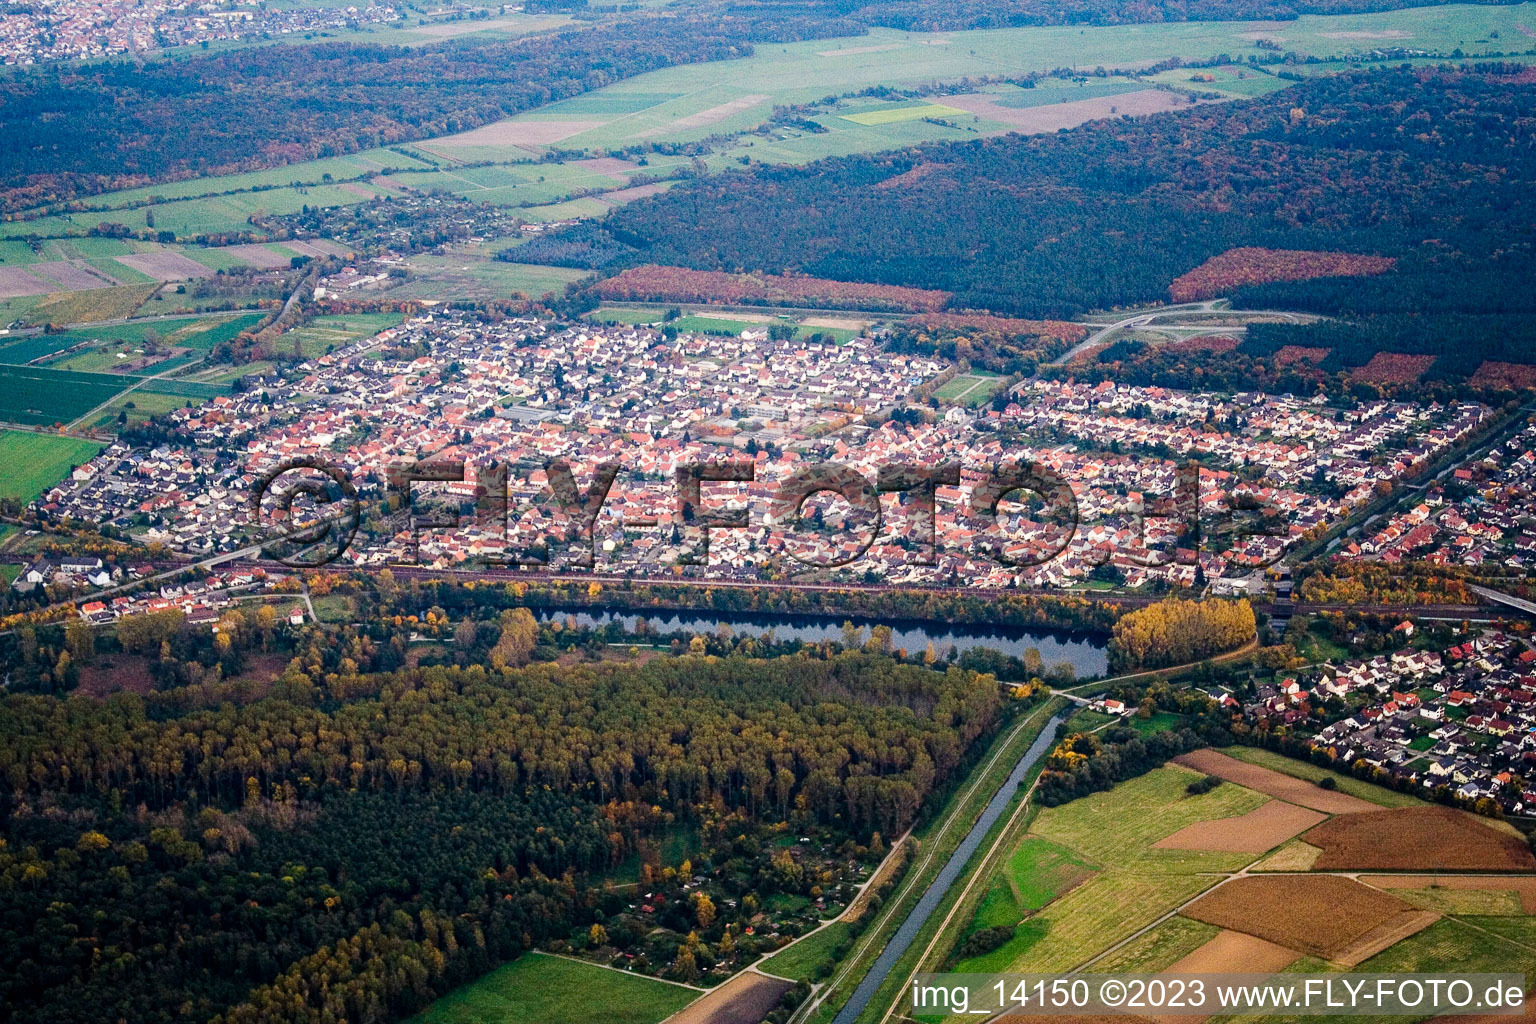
x: 370, y: 828
x: 1109, y: 214
x: 76, y: 129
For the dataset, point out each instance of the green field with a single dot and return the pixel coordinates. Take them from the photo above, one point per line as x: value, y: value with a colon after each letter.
x: 970, y: 389
x: 39, y: 395
x: 325, y: 333
x: 474, y: 277
x: 540, y: 989
x: 1306, y: 770
x: 1155, y: 950
x: 893, y: 115
x: 32, y: 463
x: 800, y: 961
x: 1130, y: 884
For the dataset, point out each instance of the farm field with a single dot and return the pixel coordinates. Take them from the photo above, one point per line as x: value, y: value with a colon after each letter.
x: 36, y: 395
x: 554, y: 990
x: 1309, y: 772
x: 1090, y: 873
x: 139, y: 406
x: 1320, y: 915
x: 32, y: 463
x: 689, y: 102
x: 475, y: 277
x: 78, y: 307
x: 1428, y: 838
x: 326, y: 333
x: 1206, y: 915
x: 1268, y: 780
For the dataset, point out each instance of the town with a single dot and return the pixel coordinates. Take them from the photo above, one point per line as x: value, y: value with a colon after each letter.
x: 445, y: 388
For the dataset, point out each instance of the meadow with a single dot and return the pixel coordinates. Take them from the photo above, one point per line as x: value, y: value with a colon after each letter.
x: 31, y: 463
x: 476, y: 277
x: 970, y: 389
x: 554, y: 990
x: 327, y: 333
x: 800, y: 961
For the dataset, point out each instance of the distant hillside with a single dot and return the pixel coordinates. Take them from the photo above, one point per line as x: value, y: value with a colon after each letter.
x: 1110, y: 214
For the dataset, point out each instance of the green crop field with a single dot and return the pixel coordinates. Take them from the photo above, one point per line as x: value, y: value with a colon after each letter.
x: 1117, y: 828
x: 891, y: 115
x: 539, y: 989
x: 1086, y: 875
x: 40, y: 396
x: 32, y: 463
x: 1155, y: 950
x: 35, y: 346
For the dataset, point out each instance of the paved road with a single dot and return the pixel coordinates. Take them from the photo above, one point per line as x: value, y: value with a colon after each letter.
x: 1146, y: 318
x: 948, y: 875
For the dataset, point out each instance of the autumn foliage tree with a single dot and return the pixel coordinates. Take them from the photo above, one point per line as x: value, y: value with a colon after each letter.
x: 1177, y: 631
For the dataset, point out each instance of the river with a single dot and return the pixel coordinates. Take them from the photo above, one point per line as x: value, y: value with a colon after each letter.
x: 947, y: 876
x: 1085, y: 652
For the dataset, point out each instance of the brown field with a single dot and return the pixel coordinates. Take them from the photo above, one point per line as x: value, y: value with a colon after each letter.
x: 1271, y: 782
x: 917, y: 173
x: 15, y: 282
x: 1394, y: 368
x: 258, y: 256
x: 115, y: 672
x: 329, y: 247
x: 514, y: 133
x: 1052, y: 117
x: 1384, y: 935
x: 610, y: 166
x: 1235, y: 952
x: 1204, y: 343
x: 1251, y: 265
x: 1262, y: 828
x: 704, y: 118
x: 73, y: 278
x: 745, y: 999
x: 303, y: 248
x: 620, y: 196
x: 1323, y: 915
x: 657, y: 283
x: 1061, y: 329
x: 1524, y: 887
x: 1510, y: 375
x: 1417, y: 839
x: 1296, y: 353
x: 165, y: 266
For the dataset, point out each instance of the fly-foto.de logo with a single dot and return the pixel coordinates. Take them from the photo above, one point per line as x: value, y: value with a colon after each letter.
x: 1018, y: 514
